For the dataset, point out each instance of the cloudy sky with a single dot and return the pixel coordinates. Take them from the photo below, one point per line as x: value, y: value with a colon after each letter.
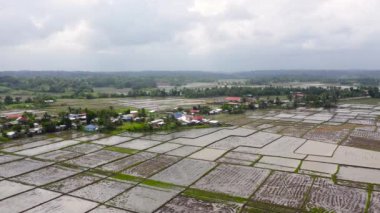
x: 212, y: 35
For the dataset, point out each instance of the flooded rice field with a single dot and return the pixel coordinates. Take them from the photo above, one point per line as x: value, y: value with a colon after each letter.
x: 269, y: 161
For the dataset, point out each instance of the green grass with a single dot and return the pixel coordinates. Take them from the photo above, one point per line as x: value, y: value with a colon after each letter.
x: 4, y: 139
x: 334, y: 177
x: 121, y: 150
x: 212, y: 196
x: 121, y: 176
x: 369, y: 196
x: 298, y: 167
x: 159, y: 184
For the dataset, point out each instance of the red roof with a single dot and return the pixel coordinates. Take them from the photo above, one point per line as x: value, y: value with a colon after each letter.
x: 13, y: 116
x: 198, y: 118
x: 233, y: 98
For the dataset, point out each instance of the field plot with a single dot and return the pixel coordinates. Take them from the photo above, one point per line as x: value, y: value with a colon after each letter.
x: 84, y: 148
x: 194, y: 133
x: 46, y: 175
x: 58, y: 155
x: 208, y: 154
x: 284, y: 189
x: 143, y: 198
x: 359, y: 174
x: 234, y: 180
x: 351, y: 156
x: 159, y: 103
x: 184, y: 151
x: 239, y: 158
x: 276, y: 163
x: 258, y: 139
x: 26, y: 200
x: 283, y: 147
x: 47, y: 148
x: 128, y: 161
x: 139, y: 144
x: 90, y: 137
x: 366, y: 128
x: 325, y: 194
x: 20, y: 142
x: 210, y: 138
x: 65, y: 204
x: 369, y: 121
x: 162, y: 148
x: 184, y: 172
x: 256, y: 123
x: 187, y: 204
x: 316, y: 148
x: 8, y: 188
x: 375, y: 203
x: 328, y: 133
x: 132, y: 134
x: 96, y: 158
x: 152, y: 166
x: 113, y: 140
x: 275, y: 129
x: 318, y: 168
x: 102, y: 190
x: 8, y: 158
x: 32, y: 145
x: 159, y: 137
x: 21, y: 166
x: 72, y: 183
x: 297, y: 130
x: 320, y: 117
x: 364, y: 139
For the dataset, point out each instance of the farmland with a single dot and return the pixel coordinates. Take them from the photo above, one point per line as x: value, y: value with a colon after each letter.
x: 265, y: 161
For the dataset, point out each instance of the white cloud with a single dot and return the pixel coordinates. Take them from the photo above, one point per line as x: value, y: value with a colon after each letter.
x: 191, y: 33
x: 72, y: 38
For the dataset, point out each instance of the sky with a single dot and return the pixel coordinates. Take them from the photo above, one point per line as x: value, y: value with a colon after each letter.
x: 208, y: 35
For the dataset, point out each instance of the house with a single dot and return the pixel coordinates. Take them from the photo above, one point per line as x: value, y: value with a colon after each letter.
x: 157, y: 123
x: 297, y: 95
x: 13, y: 116
x: 214, y: 122
x: 178, y: 115
x: 91, y: 128
x: 36, y: 130
x: 11, y: 134
x: 128, y: 117
x: 215, y: 111
x: 134, y: 113
x: 81, y: 116
x: 234, y: 99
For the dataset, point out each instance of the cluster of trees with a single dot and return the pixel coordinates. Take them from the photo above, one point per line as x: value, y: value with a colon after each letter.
x: 38, y: 101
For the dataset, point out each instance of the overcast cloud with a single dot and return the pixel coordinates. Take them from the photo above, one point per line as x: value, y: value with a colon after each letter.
x: 214, y: 35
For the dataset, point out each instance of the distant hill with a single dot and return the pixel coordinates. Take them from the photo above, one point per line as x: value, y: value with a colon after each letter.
x: 317, y: 74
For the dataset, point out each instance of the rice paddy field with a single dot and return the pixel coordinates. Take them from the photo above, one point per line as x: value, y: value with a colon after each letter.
x: 303, y: 160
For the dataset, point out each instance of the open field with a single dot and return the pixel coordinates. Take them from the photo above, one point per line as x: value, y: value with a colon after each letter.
x: 117, y: 103
x: 270, y: 161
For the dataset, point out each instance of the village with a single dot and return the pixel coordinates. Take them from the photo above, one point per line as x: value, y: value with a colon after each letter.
x: 18, y: 123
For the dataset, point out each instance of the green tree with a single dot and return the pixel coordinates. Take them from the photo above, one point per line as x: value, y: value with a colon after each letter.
x: 8, y: 100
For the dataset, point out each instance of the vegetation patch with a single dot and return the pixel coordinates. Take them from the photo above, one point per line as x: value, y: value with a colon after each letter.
x: 121, y: 150
x: 159, y: 184
x: 212, y: 196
